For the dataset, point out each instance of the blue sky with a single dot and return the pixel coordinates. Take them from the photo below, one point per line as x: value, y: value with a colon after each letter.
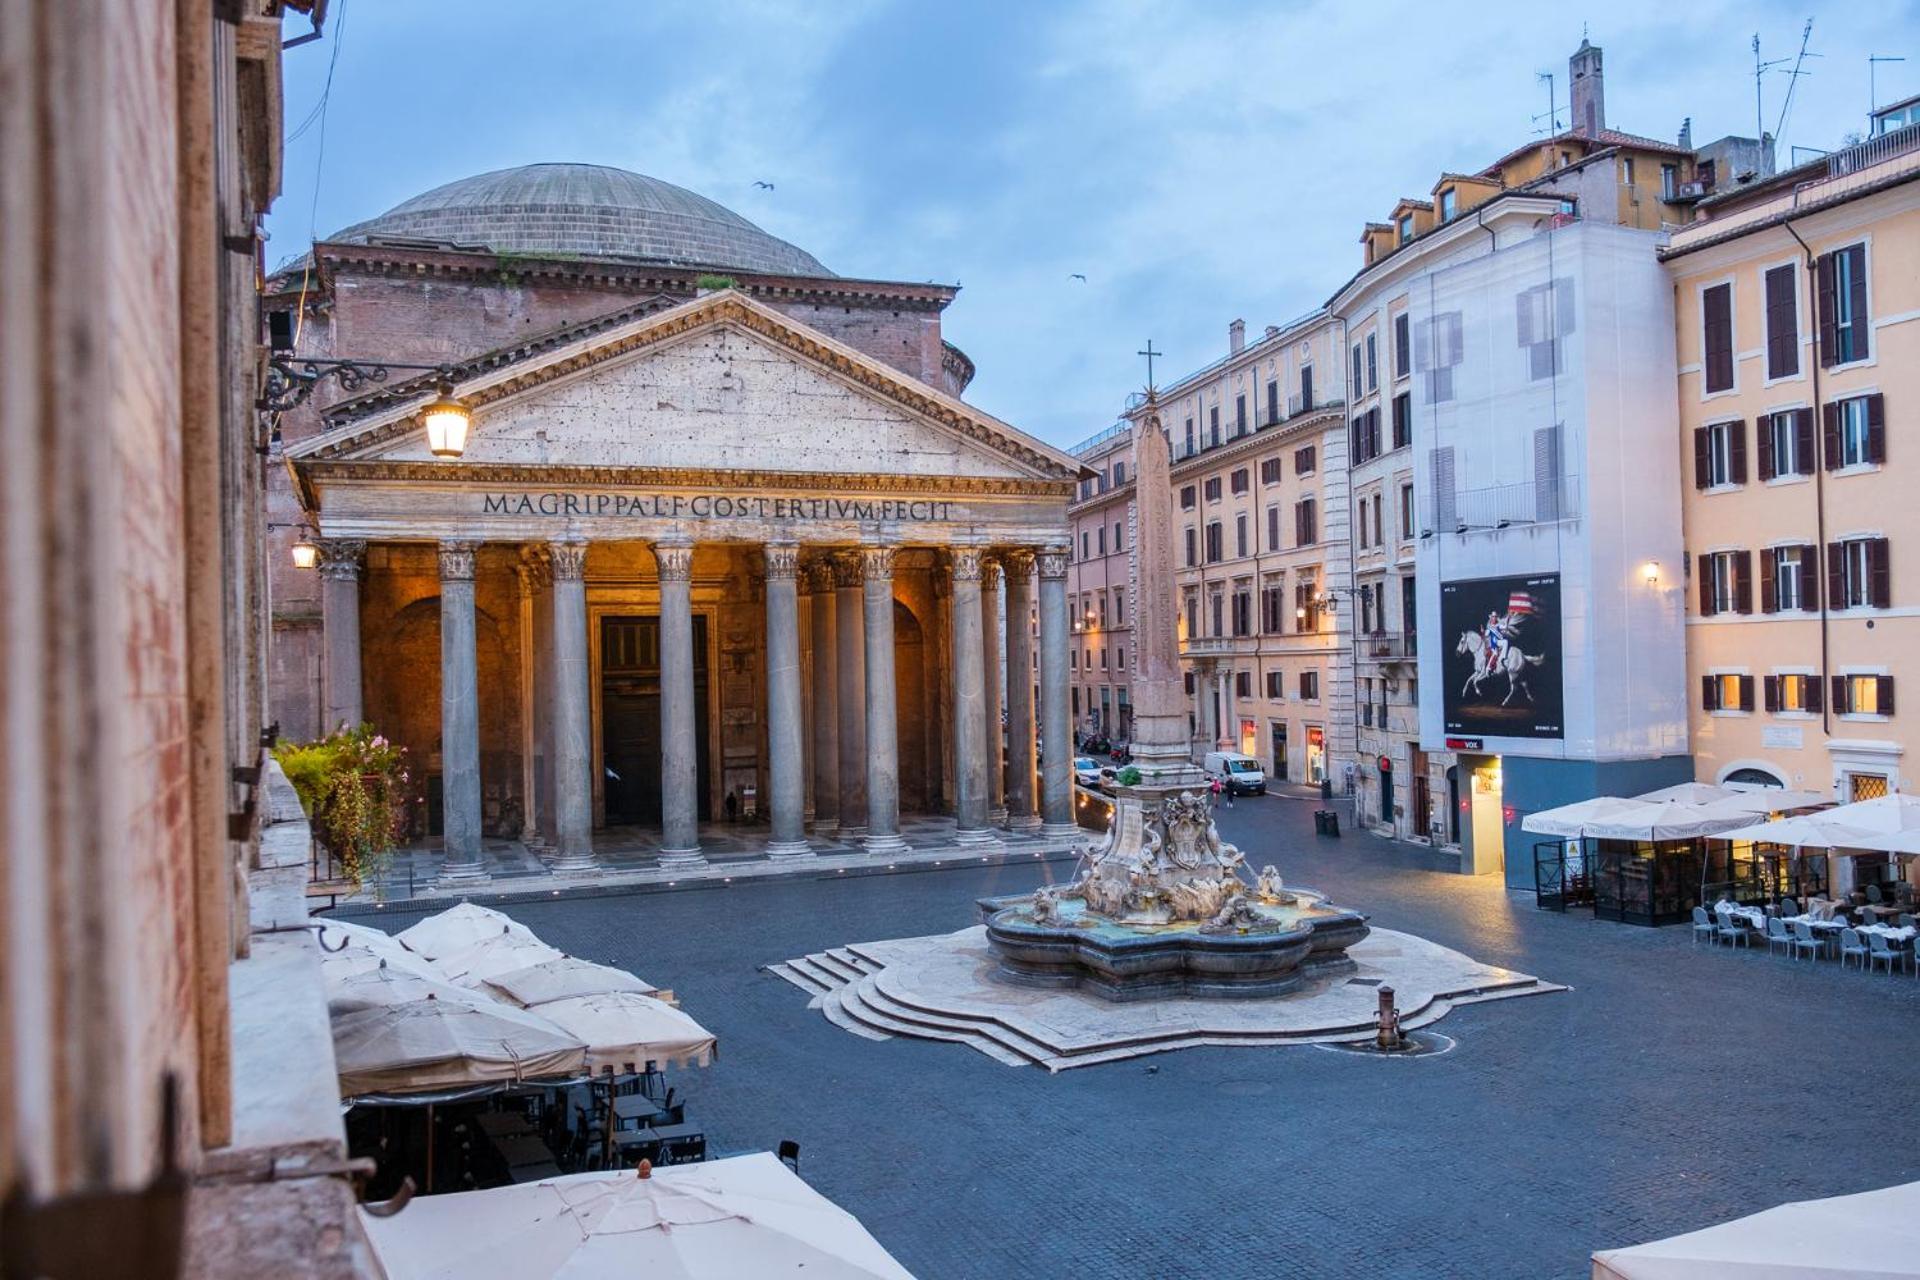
x: 1196, y: 163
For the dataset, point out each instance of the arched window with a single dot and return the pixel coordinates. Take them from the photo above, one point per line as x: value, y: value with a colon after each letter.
x: 1751, y: 777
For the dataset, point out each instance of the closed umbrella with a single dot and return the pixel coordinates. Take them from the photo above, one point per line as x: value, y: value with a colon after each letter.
x: 378, y: 987
x: 501, y: 953
x: 560, y: 979
x: 721, y: 1220
x: 430, y: 1044
x: 458, y: 927
x: 624, y: 1031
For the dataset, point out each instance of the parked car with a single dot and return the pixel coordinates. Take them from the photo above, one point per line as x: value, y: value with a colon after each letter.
x: 1240, y: 774
x: 1086, y: 771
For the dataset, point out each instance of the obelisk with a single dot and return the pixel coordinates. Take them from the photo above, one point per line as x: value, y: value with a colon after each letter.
x: 1161, y: 749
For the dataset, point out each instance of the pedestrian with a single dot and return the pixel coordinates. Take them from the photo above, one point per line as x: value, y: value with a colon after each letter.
x: 733, y: 807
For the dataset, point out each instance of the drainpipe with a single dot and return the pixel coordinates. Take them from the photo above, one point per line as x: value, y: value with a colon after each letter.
x: 1819, y: 486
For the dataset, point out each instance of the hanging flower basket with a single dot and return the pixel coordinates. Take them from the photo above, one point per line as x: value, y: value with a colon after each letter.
x: 354, y: 786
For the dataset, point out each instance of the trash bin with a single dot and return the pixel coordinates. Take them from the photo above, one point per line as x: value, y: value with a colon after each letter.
x: 1326, y: 822
x: 1326, y: 788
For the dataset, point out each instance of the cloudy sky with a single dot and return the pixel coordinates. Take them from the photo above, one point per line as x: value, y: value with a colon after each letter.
x: 1196, y: 162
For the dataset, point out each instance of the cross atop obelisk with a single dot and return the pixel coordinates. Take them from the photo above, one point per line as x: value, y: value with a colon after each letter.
x: 1149, y: 353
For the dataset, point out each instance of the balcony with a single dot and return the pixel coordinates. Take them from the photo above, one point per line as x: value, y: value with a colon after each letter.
x: 1501, y: 506
x: 1387, y: 649
x: 1202, y: 647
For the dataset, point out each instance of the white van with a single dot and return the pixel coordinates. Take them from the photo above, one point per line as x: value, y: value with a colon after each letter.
x: 1240, y: 774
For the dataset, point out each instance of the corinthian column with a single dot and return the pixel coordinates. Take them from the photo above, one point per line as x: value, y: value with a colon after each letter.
x: 1021, y: 815
x: 679, y: 746
x: 785, y: 765
x: 883, y: 722
x: 1056, y: 747
x: 990, y: 690
x: 459, y: 720
x: 826, y: 701
x: 969, y: 694
x: 572, y: 711
x: 850, y: 682
x: 340, y: 562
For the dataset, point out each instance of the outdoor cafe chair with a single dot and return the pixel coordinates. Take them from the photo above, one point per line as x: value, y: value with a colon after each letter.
x: 1704, y: 927
x: 1804, y: 939
x: 1851, y: 945
x: 1788, y: 907
x: 1735, y: 933
x: 1777, y: 935
x: 1879, y: 952
x: 1904, y: 919
x: 1873, y: 894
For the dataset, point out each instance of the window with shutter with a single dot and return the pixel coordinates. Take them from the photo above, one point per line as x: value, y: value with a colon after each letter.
x: 1192, y: 555
x: 1709, y: 693
x: 1879, y: 574
x: 1876, y: 414
x: 1716, y: 319
x: 1769, y: 580
x: 1825, y: 310
x: 1273, y: 528
x: 1303, y: 461
x: 1852, y: 435
x: 1239, y: 479
x: 1273, y: 402
x: 1402, y: 346
x: 1186, y: 498
x: 1240, y: 535
x: 1815, y: 695
x: 1770, y: 691
x: 1783, y: 323
x: 1403, y: 420
x: 1802, y: 443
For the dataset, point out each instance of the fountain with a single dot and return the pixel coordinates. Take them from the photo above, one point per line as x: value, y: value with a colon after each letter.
x: 1164, y: 907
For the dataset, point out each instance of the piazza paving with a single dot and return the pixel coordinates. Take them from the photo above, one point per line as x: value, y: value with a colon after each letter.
x: 1670, y: 1088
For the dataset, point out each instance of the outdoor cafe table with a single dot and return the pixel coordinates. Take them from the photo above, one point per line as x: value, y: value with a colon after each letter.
x: 1752, y: 915
x: 523, y: 1150
x: 631, y: 1110
x: 1895, y: 934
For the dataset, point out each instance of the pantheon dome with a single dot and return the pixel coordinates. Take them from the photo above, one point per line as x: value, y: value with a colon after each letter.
x: 587, y: 211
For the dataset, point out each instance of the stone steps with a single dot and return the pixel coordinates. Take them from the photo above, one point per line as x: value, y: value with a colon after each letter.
x: 805, y: 981
x: 851, y: 1004
x: 978, y: 1032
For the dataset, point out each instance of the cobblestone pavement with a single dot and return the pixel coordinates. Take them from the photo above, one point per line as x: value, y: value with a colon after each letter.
x: 1673, y: 1087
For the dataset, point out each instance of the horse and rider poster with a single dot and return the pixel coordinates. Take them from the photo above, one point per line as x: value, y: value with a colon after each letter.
x: 1502, y: 656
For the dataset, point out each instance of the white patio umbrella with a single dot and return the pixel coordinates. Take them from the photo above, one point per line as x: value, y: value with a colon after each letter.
x: 1737, y: 799
x: 458, y: 927
x: 1667, y: 820
x: 563, y: 978
x: 747, y: 1216
x: 387, y: 984
x: 1873, y: 1234
x: 623, y: 1031
x: 332, y: 931
x: 358, y: 957
x: 1821, y: 830
x: 1573, y: 820
x: 430, y: 1044
x: 501, y: 953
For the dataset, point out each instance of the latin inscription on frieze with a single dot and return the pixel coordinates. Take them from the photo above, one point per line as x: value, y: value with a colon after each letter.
x: 712, y: 506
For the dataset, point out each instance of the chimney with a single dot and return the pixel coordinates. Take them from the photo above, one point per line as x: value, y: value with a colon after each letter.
x: 1686, y: 134
x: 1273, y: 331
x: 1236, y: 335
x: 1587, y: 92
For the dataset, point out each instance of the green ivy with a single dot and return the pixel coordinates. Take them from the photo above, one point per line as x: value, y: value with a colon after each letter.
x: 713, y: 282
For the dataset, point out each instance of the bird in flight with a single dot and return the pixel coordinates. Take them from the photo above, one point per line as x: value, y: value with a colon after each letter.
x: 764, y: 186
x: 1077, y: 276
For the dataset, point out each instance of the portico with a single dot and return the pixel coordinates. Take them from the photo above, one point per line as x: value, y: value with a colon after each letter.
x: 708, y: 555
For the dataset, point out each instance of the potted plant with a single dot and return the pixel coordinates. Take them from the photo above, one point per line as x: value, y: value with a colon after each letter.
x: 353, y: 785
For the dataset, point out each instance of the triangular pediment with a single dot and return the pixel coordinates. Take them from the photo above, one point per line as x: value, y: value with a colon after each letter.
x: 721, y: 383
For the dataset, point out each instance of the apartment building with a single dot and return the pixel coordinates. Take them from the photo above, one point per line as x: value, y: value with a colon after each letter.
x: 1101, y: 585
x: 1797, y: 305
x: 1503, y: 348
x: 1259, y: 476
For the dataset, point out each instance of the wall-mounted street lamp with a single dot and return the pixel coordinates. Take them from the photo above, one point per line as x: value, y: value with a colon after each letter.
x: 306, y: 553
x: 1650, y: 571
x: 446, y: 420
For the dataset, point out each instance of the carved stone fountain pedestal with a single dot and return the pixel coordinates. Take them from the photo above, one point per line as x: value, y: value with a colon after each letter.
x: 1164, y: 908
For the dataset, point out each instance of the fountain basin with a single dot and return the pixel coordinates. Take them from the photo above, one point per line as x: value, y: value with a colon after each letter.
x: 1147, y: 961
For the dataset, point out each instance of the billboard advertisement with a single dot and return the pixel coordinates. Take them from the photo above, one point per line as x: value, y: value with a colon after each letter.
x: 1502, y: 657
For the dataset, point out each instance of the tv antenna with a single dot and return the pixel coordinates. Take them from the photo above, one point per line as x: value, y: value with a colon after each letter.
x: 1793, y: 78
x: 1552, y: 114
x: 1873, y: 96
x: 1760, y: 70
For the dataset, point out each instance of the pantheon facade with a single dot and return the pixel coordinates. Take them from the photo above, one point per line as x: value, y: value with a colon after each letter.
x: 724, y: 537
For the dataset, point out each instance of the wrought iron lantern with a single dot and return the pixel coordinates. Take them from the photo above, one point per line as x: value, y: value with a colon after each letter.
x: 447, y: 420
x: 306, y: 553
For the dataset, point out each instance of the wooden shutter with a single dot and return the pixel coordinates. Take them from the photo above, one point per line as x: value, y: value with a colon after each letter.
x: 1886, y: 695
x: 1706, y: 586
x: 1746, y: 693
x: 1836, y: 576
x: 1829, y: 333
x: 1810, y: 584
x: 1841, y: 704
x: 1709, y: 694
x: 1876, y: 428
x: 1743, y: 582
x: 1815, y: 695
x: 1737, y: 452
x: 1803, y: 441
x: 1857, y: 309
x: 1783, y: 329
x: 1879, y: 576
x: 1769, y: 584
x: 1830, y: 436
x: 1716, y: 313
x: 1770, y: 692
x: 1763, y: 447
x: 1702, y: 458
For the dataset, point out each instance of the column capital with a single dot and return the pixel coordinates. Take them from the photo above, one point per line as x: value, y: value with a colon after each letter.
x: 1017, y: 564
x: 674, y: 561
x: 967, y: 564
x: 568, y: 560
x: 783, y: 561
x: 1052, y: 562
x: 876, y: 563
x: 456, y: 561
x: 341, y: 558
x: 534, y: 568
x: 847, y: 569
x: 819, y: 574
x: 990, y: 571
